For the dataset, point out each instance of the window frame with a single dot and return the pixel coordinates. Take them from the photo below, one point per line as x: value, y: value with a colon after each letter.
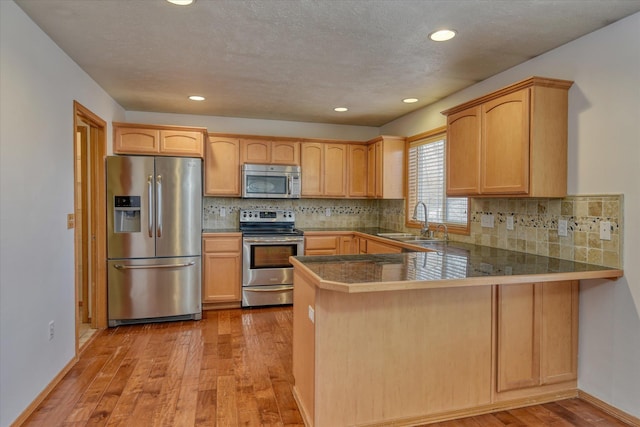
x: 437, y: 133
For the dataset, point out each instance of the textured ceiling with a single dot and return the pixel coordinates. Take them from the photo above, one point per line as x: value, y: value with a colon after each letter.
x: 298, y: 59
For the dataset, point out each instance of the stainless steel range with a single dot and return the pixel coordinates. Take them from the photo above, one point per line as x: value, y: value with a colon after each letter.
x: 269, y: 238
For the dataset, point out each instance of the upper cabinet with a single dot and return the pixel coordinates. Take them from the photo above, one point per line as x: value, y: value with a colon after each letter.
x: 357, y: 168
x: 277, y: 152
x: 129, y: 138
x: 324, y: 169
x: 385, y: 167
x: 222, y: 167
x: 510, y: 142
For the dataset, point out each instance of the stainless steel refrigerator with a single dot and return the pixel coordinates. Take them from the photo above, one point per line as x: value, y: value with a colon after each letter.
x: 154, y: 226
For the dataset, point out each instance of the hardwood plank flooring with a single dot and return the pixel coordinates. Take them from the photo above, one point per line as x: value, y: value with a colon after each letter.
x: 232, y: 368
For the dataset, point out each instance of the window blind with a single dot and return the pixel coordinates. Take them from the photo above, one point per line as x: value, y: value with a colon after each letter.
x: 426, y: 183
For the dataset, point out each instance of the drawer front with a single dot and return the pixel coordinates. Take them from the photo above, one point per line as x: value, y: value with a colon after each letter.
x: 223, y: 244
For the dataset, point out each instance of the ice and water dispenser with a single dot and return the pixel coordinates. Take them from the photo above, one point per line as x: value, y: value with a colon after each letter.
x: 127, y: 214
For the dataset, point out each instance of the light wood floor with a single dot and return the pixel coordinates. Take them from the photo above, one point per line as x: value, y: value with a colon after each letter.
x: 233, y: 368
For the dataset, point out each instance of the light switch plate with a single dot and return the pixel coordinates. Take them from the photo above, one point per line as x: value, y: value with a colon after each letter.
x: 223, y: 212
x: 312, y: 315
x: 605, y: 230
x: 327, y: 212
x: 562, y: 228
x: 487, y: 220
x: 509, y: 223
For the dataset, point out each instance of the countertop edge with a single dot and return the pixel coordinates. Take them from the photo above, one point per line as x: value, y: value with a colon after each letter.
x: 453, y: 283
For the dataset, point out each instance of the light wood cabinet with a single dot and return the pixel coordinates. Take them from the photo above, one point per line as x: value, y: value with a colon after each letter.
x: 324, y: 169
x: 385, y: 167
x: 270, y: 152
x: 331, y: 244
x: 510, y: 142
x: 335, y: 170
x: 322, y: 245
x: 222, y: 167
x: 222, y: 268
x: 357, y: 168
x: 537, y: 334
x: 370, y: 246
x: 129, y: 138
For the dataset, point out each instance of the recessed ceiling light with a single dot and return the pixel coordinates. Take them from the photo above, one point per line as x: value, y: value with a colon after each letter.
x: 442, y: 35
x: 341, y: 109
x: 196, y: 98
x: 181, y: 2
x: 410, y: 100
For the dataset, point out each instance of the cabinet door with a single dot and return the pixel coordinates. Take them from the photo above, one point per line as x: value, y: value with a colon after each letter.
x: 285, y: 153
x: 222, y: 167
x: 348, y: 245
x: 358, y: 171
x: 255, y: 151
x: 312, y: 168
x: 181, y: 143
x: 518, y: 337
x: 222, y: 280
x: 335, y: 170
x: 463, y: 152
x: 559, y: 332
x: 374, y: 166
x: 136, y: 140
x: 505, y: 144
x: 375, y: 247
x: 321, y: 245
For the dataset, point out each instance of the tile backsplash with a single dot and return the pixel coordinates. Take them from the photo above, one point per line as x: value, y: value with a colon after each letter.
x: 535, y: 222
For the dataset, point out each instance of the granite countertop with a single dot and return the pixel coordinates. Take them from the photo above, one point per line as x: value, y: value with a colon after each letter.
x: 449, y: 264
x: 220, y: 230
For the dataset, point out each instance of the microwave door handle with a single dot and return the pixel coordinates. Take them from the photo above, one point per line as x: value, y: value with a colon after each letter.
x: 289, y: 189
x: 150, y: 197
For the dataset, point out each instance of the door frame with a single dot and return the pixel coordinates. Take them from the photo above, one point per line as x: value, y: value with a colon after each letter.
x: 97, y: 154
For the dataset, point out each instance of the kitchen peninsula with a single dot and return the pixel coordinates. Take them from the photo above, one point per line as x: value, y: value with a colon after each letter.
x: 414, y: 337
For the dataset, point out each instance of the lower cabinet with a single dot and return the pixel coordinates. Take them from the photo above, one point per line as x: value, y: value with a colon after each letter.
x: 322, y: 245
x: 537, y: 334
x: 370, y: 246
x: 222, y: 268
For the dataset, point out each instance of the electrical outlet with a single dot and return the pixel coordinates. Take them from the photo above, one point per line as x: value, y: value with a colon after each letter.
x: 487, y: 220
x: 312, y: 314
x: 562, y: 228
x: 52, y: 330
x: 327, y: 212
x: 71, y: 221
x: 223, y: 212
x: 509, y: 223
x: 605, y: 230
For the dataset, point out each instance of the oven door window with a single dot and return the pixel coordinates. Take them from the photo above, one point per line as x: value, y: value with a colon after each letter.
x: 261, y: 184
x: 272, y: 256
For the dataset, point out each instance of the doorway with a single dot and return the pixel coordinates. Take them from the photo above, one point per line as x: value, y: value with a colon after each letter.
x: 89, y: 149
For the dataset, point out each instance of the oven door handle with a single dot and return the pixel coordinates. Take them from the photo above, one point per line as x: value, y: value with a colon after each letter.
x: 276, y: 241
x: 280, y: 289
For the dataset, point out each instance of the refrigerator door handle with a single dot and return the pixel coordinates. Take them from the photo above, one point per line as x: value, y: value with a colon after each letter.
x: 150, y: 195
x: 159, y: 204
x: 137, y: 267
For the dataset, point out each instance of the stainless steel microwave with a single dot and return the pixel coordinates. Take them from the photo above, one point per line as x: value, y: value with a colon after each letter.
x: 271, y: 181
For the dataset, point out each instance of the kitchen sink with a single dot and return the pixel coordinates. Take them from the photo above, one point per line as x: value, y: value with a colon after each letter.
x: 410, y: 238
x: 397, y: 235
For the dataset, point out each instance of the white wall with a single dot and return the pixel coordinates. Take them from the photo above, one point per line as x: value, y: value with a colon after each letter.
x: 38, y: 83
x: 604, y: 153
x: 258, y: 127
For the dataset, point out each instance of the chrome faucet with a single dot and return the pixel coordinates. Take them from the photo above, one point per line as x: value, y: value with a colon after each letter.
x: 445, y: 231
x: 425, y: 224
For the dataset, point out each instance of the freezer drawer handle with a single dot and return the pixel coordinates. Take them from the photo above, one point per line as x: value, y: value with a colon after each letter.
x: 136, y: 267
x: 287, y: 288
